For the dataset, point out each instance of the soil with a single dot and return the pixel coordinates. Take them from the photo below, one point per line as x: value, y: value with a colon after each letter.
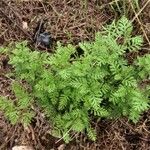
x: 68, y: 21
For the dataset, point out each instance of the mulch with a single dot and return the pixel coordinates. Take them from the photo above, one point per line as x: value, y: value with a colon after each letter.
x: 68, y: 21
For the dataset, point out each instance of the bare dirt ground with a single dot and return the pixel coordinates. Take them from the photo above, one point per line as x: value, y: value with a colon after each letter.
x: 69, y: 21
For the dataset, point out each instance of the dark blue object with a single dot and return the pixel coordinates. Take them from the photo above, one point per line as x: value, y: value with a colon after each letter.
x: 44, y: 39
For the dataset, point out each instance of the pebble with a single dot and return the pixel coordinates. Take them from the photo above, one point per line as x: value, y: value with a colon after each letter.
x: 22, y: 148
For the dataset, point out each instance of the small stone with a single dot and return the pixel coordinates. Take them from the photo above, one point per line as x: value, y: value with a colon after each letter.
x: 22, y: 148
x: 61, y: 147
x: 24, y: 25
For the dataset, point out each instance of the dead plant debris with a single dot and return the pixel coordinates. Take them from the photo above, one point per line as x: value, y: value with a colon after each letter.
x: 67, y: 21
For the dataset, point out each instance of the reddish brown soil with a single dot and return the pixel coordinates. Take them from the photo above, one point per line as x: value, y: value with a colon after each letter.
x: 67, y: 21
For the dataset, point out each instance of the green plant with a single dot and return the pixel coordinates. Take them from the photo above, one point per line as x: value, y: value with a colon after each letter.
x: 21, y: 110
x: 73, y: 88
